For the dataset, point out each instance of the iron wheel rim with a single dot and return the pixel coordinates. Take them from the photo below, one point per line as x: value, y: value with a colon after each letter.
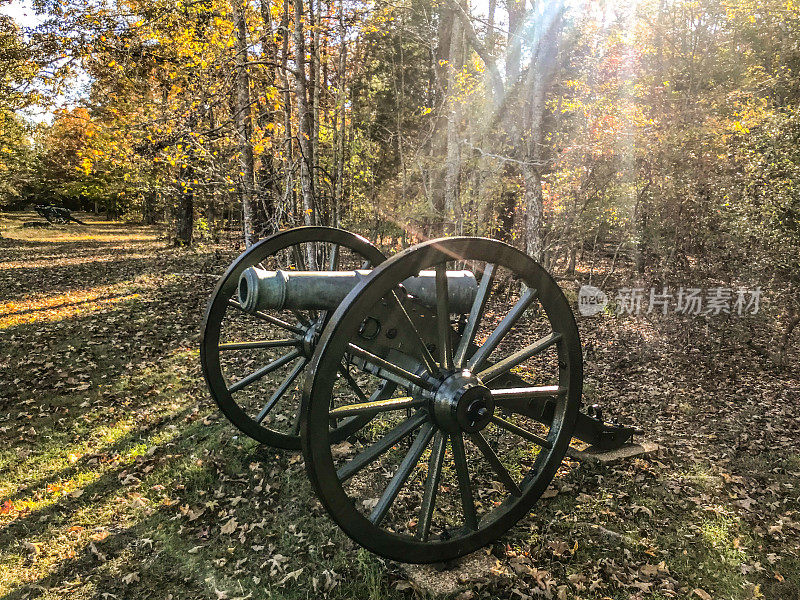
x: 218, y: 305
x: 318, y: 387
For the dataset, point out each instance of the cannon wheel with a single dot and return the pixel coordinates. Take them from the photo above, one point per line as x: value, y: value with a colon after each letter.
x: 478, y: 460
x: 297, y: 340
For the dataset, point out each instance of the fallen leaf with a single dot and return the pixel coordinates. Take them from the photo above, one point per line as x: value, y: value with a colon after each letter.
x: 229, y: 527
x: 293, y: 575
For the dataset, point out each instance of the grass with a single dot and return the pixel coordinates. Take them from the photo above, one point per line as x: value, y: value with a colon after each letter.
x: 119, y: 479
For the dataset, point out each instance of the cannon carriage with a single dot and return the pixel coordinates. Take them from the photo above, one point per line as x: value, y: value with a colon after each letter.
x: 440, y: 387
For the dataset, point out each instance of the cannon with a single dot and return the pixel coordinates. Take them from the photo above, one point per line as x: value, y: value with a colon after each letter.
x: 56, y: 214
x: 440, y: 387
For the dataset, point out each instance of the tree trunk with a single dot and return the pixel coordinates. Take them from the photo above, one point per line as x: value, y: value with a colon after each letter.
x: 534, y: 210
x: 267, y: 184
x: 508, y: 203
x: 341, y: 130
x: 314, y: 97
x: 437, y: 147
x: 289, y: 199
x: 516, y: 20
x: 573, y: 254
x: 244, y: 123
x: 184, y: 217
x: 304, y: 131
x: 539, y: 82
x: 452, y: 197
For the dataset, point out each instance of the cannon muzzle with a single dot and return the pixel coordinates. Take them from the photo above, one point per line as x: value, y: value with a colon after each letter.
x: 324, y: 290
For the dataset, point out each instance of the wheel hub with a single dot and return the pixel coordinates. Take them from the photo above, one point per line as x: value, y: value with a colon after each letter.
x: 463, y: 403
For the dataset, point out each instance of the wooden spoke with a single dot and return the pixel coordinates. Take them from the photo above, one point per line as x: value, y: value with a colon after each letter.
x: 464, y: 487
x: 304, y: 320
x: 475, y: 315
x: 527, y: 393
x: 259, y: 344
x: 502, y: 473
x: 443, y: 318
x: 403, y: 377
x: 401, y: 475
x: 502, y: 329
x: 422, y: 348
x: 376, y: 395
x: 281, y: 389
x: 431, y: 486
x: 374, y: 451
x: 365, y: 408
x: 269, y: 319
x: 353, y: 384
x: 508, y: 363
x: 523, y: 433
x: 256, y: 375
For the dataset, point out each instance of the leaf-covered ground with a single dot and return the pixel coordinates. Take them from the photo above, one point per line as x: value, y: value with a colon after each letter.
x: 118, y: 478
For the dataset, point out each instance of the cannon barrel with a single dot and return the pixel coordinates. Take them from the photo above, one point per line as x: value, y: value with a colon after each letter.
x: 324, y: 290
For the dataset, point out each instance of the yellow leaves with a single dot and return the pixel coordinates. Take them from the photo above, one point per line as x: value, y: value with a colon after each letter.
x: 86, y: 165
